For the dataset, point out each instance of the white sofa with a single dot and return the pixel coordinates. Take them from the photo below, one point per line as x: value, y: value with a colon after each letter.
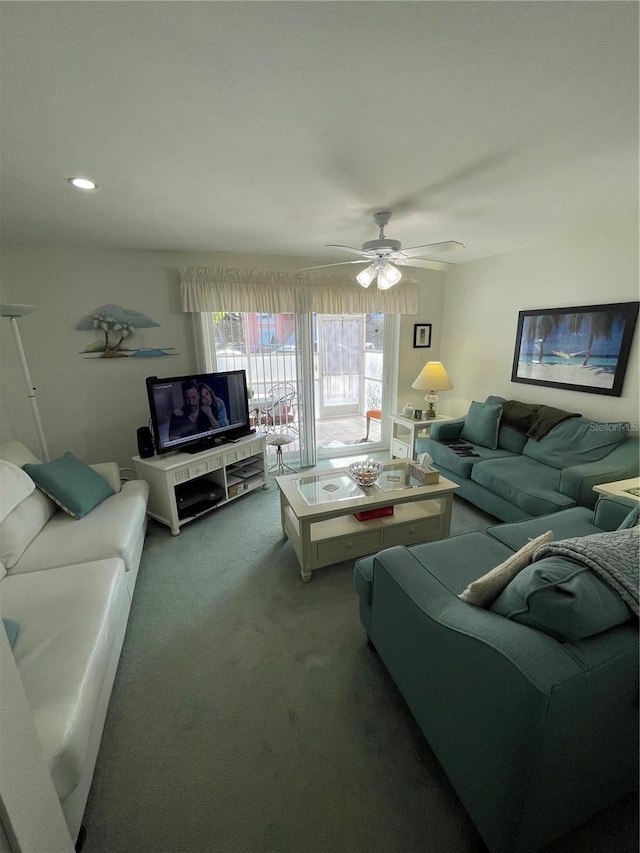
x: 68, y: 583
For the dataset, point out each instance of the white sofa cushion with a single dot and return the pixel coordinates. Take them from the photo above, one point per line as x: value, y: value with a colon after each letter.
x: 69, y: 619
x: 22, y: 526
x: 112, y: 529
x: 15, y: 486
x: 24, y: 523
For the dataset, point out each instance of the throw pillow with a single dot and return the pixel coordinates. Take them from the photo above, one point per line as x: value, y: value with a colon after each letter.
x: 562, y: 598
x: 487, y: 588
x: 632, y: 519
x: 71, y: 484
x: 15, y: 486
x: 11, y: 628
x: 481, y: 424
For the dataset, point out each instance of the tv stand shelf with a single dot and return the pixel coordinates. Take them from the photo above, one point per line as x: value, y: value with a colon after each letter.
x: 183, y: 487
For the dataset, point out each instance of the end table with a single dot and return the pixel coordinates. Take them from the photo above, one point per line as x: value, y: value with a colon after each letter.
x: 403, y: 445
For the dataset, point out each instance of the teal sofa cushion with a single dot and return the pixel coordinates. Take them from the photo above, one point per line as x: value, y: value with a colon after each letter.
x: 481, y: 424
x: 460, y: 560
x: 70, y: 483
x: 444, y: 457
x: 575, y: 521
x: 446, y: 559
x: 563, y: 598
x: 527, y: 484
x: 575, y: 442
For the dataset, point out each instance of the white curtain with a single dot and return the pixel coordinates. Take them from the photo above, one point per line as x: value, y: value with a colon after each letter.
x: 209, y: 289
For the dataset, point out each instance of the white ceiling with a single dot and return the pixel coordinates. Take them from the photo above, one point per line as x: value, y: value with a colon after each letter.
x: 276, y: 127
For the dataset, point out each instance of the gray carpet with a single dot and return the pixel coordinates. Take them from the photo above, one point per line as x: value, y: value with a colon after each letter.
x: 249, y: 716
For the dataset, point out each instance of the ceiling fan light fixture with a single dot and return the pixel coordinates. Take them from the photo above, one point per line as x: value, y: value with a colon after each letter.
x: 388, y: 276
x: 366, y: 276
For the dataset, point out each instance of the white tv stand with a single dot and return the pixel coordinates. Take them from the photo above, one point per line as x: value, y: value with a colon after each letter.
x: 231, y: 470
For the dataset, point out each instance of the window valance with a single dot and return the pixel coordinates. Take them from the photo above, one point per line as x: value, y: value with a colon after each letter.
x: 209, y: 289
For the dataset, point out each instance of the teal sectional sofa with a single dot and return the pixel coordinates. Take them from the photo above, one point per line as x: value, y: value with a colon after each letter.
x: 513, y: 476
x: 537, y: 730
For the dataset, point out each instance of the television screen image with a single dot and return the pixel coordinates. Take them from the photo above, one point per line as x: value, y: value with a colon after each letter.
x: 191, y: 412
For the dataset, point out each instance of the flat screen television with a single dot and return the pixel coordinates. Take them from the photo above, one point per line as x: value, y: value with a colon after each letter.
x: 191, y: 413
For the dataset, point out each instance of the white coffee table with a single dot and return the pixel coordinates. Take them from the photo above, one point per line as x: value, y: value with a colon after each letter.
x: 317, y: 514
x: 619, y: 488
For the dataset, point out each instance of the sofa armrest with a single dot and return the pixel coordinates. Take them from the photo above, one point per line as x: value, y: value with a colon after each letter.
x: 611, y: 511
x: 444, y: 430
x: 110, y: 472
x: 621, y: 464
x: 30, y: 805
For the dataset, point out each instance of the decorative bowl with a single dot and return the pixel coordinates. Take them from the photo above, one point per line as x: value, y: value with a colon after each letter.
x: 365, y: 473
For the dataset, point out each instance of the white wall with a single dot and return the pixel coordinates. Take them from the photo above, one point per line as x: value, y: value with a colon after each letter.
x: 93, y: 406
x: 594, y: 263
x: 411, y: 361
x: 89, y: 406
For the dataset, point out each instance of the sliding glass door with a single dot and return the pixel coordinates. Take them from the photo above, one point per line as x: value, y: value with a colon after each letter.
x: 323, y: 380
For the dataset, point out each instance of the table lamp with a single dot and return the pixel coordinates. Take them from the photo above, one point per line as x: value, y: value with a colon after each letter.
x: 433, y: 377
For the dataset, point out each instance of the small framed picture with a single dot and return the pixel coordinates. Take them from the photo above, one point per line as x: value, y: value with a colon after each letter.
x: 421, y: 335
x: 417, y: 414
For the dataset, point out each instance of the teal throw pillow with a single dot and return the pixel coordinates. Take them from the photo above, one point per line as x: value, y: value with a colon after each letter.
x: 562, y: 598
x: 481, y: 424
x: 70, y: 483
x: 632, y: 519
x: 11, y: 628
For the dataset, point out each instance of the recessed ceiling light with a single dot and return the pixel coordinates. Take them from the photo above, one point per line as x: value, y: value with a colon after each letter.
x: 83, y: 183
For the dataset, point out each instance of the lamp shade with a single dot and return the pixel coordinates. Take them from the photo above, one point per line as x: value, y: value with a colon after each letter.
x: 388, y: 276
x: 432, y: 377
x: 365, y: 277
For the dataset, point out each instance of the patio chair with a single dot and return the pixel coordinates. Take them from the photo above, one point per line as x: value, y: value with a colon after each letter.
x: 281, y: 408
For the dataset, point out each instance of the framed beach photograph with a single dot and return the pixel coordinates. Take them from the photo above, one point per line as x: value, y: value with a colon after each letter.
x: 584, y: 348
x: 421, y: 335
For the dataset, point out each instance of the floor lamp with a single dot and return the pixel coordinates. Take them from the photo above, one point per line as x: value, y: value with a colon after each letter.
x: 12, y: 312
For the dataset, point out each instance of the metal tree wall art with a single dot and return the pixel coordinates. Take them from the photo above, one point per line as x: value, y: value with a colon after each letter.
x: 117, y: 325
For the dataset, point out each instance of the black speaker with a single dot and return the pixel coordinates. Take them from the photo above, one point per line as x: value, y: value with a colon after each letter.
x: 145, y: 443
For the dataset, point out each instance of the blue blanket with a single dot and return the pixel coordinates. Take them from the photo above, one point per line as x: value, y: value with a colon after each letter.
x: 614, y: 556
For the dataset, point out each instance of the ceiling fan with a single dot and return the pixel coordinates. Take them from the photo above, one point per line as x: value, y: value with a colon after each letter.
x: 383, y: 253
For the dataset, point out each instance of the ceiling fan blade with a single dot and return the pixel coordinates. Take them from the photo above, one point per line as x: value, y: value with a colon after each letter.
x: 433, y: 248
x: 427, y: 265
x: 339, y: 264
x: 347, y: 249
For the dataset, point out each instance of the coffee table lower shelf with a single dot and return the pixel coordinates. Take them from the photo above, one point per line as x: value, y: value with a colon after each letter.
x: 321, y: 543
